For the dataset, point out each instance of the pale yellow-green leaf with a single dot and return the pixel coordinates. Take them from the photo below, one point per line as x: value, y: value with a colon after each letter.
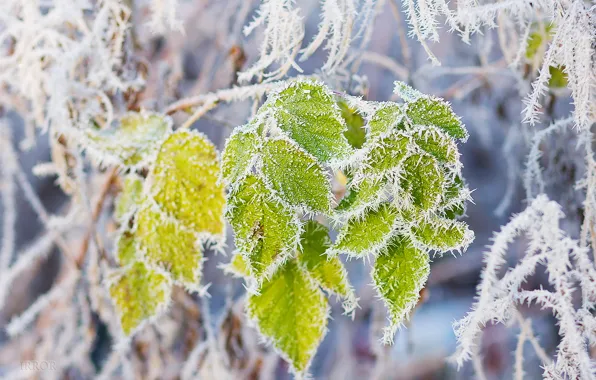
x: 129, y: 198
x: 239, y: 153
x: 422, y: 180
x: 138, y: 294
x: 355, y: 133
x: 165, y: 243
x: 291, y: 311
x: 238, y: 266
x: 127, y: 249
x: 134, y: 140
x: 399, y: 274
x: 387, y: 117
x: 368, y: 193
x: 295, y: 176
x: 184, y: 182
x: 386, y: 154
x: 442, y: 234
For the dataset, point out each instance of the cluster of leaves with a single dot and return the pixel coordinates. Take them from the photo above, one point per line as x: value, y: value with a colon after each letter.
x: 166, y: 217
x: 404, y: 193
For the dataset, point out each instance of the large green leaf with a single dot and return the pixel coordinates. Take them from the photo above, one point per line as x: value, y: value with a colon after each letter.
x: 133, y: 141
x: 266, y: 231
x: 422, y: 180
x: 295, y: 176
x: 167, y: 244
x: 368, y: 233
x: 239, y: 153
x: 291, y: 311
x: 434, y: 111
x: 184, y: 183
x: 399, y: 274
x: 307, y: 112
x: 139, y: 293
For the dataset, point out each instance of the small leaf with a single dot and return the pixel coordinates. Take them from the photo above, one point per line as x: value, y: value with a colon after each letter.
x: 437, y: 145
x: 129, y: 198
x: 367, y: 234
x: 139, y: 293
x: 167, y: 244
x: 127, y: 249
x: 369, y: 192
x: 558, y: 77
x: 295, y: 176
x: 386, y: 154
x: 265, y: 230
x: 307, y: 112
x: 399, y: 274
x: 241, y: 148
x: 387, y: 117
x: 238, y: 266
x: 422, y: 180
x: 184, y: 183
x: 135, y: 140
x: 435, y: 111
x: 327, y: 271
x: 442, y: 234
x: 291, y: 311
x: 406, y: 92
x: 356, y: 134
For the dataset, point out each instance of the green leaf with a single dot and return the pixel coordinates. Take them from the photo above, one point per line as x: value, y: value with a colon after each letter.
x: 295, y: 176
x: 327, y: 271
x: 436, y: 112
x: 537, y: 38
x: 307, y: 112
x: 139, y: 293
x: 369, y: 192
x: 129, y: 198
x: 184, y: 183
x: 387, y: 117
x: 168, y: 245
x: 241, y: 148
x: 442, y: 234
x: 422, y: 180
x: 399, y: 274
x: 406, y: 92
x: 127, y: 249
x: 386, y: 154
x: 369, y: 233
x: 558, y: 77
x: 356, y: 134
x: 133, y: 141
x: 265, y: 230
x: 437, y: 145
x: 291, y: 311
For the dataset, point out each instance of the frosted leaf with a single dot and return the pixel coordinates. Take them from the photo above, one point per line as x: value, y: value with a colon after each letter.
x: 184, y: 183
x: 166, y: 244
x: 291, y: 311
x: 422, y: 180
x: 327, y: 271
x: 355, y: 133
x: 386, y: 154
x: 437, y: 144
x: 368, y: 233
x: 266, y: 231
x: 368, y: 193
x: 387, y: 117
x: 442, y: 234
x: 434, y: 111
x: 133, y: 141
x: 139, y: 293
x: 127, y: 250
x: 129, y: 198
x: 238, y: 155
x: 295, y: 176
x: 238, y: 266
x: 407, y: 93
x: 399, y: 274
x: 307, y: 112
